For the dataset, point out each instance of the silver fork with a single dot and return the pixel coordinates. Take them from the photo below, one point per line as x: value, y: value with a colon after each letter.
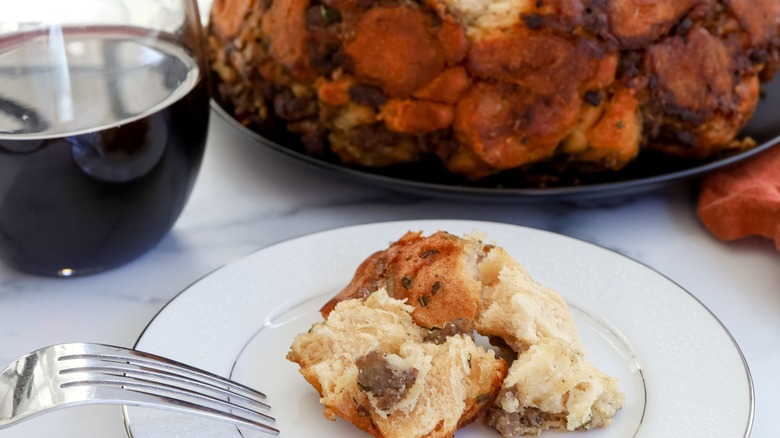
x: 68, y: 375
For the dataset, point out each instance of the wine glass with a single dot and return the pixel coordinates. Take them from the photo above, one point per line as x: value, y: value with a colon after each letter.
x: 104, y: 109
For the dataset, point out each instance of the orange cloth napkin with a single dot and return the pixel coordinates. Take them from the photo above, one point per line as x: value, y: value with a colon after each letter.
x: 743, y: 200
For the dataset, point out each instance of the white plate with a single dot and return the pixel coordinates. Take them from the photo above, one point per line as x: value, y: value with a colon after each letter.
x: 682, y: 372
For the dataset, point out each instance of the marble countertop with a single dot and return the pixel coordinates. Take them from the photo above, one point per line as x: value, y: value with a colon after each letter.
x: 248, y: 197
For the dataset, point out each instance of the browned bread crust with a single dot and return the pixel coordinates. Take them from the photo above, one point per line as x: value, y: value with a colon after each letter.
x: 436, y: 275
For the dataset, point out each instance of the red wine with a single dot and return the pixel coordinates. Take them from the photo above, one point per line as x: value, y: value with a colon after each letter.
x: 97, y: 158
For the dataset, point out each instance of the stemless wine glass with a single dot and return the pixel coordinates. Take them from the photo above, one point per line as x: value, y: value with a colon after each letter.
x: 104, y: 110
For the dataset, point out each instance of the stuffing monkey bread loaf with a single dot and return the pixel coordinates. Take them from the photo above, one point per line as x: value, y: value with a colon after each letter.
x: 490, y: 85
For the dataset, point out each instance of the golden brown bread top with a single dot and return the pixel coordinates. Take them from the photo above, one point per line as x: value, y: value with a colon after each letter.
x: 636, y: 23
x: 384, y: 50
x: 436, y: 275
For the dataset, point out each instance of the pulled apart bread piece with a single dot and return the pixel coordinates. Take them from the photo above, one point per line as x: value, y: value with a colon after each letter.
x: 373, y: 366
x: 551, y: 385
x: 394, y: 356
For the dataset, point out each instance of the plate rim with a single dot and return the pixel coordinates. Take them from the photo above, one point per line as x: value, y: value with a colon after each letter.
x: 474, y: 224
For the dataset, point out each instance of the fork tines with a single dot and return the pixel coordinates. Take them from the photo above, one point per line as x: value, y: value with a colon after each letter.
x: 155, y: 379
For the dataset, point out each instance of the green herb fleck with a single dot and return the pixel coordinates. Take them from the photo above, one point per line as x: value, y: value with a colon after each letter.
x: 329, y: 15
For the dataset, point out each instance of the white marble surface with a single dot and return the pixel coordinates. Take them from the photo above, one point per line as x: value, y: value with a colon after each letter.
x: 247, y: 197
